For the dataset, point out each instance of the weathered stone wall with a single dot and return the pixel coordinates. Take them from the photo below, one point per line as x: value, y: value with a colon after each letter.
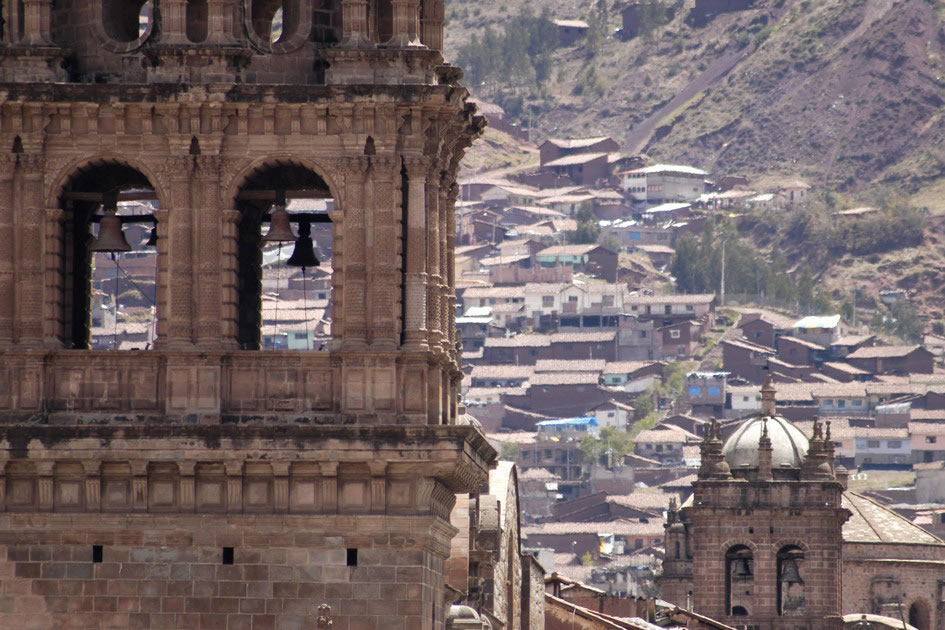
x: 161, y: 571
x: 533, y: 594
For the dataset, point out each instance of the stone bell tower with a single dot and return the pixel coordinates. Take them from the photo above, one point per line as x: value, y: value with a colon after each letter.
x: 203, y: 481
x: 758, y: 545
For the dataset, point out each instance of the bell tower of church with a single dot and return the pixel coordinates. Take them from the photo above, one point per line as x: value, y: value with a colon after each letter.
x: 758, y: 545
x: 197, y: 464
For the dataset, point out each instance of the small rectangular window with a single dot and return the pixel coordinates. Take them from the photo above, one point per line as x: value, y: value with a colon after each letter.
x: 228, y: 555
x: 352, y: 557
x: 97, y: 553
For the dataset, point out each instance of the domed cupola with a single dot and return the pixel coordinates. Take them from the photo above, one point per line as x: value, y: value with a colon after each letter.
x: 788, y: 445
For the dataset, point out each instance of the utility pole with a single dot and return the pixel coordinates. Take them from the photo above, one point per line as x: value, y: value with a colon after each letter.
x: 722, y: 281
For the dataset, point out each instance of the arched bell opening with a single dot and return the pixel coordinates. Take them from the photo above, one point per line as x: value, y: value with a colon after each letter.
x: 197, y: 20
x: 790, y: 581
x: 108, y: 260
x: 326, y: 22
x: 739, y: 580
x: 127, y: 20
x: 284, y: 265
x: 920, y: 615
x: 274, y: 21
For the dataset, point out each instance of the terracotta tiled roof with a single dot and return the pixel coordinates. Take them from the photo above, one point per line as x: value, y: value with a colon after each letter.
x: 586, y: 337
x: 845, y: 367
x: 537, y: 474
x: 563, y: 365
x: 627, y: 367
x: 882, y: 352
x: 883, y: 433
x: 643, y: 500
x: 619, y: 528
x: 568, y: 250
x: 563, y: 378
x: 873, y: 523
x: 696, y: 298
x: 502, y: 371
x: 803, y: 342
x: 518, y: 341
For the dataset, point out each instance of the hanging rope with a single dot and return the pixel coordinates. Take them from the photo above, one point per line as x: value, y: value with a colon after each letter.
x: 115, y: 303
x: 278, y: 299
x: 308, y: 345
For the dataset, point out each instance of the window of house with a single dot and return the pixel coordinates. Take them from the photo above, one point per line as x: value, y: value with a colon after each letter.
x: 572, y: 298
x: 690, y: 307
x: 872, y: 444
x: 695, y: 391
x: 659, y: 448
x: 745, y: 398
x: 841, y: 404
x: 828, y: 402
x: 714, y: 391
x: 674, y: 334
x: 930, y: 439
x: 547, y: 300
x: 894, y: 443
x: 668, y: 309
x: 642, y: 334
x: 649, y: 447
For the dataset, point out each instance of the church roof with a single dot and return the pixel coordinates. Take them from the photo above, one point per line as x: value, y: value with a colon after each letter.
x: 788, y: 444
x: 873, y: 523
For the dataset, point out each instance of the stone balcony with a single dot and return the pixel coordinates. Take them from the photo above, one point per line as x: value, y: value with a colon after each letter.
x: 246, y: 387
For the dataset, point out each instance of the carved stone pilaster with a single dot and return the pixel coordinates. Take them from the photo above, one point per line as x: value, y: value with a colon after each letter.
x: 355, y: 256
x: 415, y: 258
x: 7, y: 251
x: 29, y: 242
x: 234, y: 486
x: 93, y: 485
x: 229, y: 280
x: 178, y: 248
x: 354, y: 24
x: 433, y: 257
x: 37, y: 22
x: 385, y: 280
x: 187, y: 482
x: 209, y: 227
x: 52, y: 278
x: 329, y: 489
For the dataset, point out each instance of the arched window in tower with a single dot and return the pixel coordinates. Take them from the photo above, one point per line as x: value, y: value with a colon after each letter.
x: 790, y: 581
x: 384, y: 14
x: 198, y: 17
x: 919, y: 615
x: 108, y: 260
x: 326, y: 22
x: 274, y: 21
x: 126, y: 20
x: 739, y: 580
x: 284, y: 260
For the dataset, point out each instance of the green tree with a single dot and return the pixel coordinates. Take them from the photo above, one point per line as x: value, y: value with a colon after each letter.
x: 588, y: 227
x: 612, y: 442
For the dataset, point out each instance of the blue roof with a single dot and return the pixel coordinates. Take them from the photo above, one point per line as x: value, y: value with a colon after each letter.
x: 585, y: 421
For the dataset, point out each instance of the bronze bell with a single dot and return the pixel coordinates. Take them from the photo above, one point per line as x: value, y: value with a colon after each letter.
x: 304, y: 253
x: 280, y: 230
x: 152, y: 238
x: 741, y: 568
x: 110, y: 237
x: 790, y: 572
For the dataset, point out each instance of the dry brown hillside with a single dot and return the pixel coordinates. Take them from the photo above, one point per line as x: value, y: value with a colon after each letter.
x: 846, y: 92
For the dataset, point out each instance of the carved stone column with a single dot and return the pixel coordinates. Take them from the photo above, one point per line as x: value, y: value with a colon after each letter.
x: 162, y: 275
x: 209, y: 237
x: 431, y: 24
x: 30, y: 236
x: 222, y: 22
x: 355, y: 256
x: 229, y: 281
x: 384, y: 287
x: 52, y: 276
x: 450, y: 281
x: 179, y: 316
x: 434, y: 278
x: 355, y: 24
x: 174, y: 21
x: 7, y: 251
x: 406, y: 24
x: 37, y: 22
x: 415, y: 326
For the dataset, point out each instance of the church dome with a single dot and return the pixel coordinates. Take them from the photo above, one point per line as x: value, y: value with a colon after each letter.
x: 788, y: 444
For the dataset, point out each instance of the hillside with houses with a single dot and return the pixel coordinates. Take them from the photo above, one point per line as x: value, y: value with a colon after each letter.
x: 612, y: 305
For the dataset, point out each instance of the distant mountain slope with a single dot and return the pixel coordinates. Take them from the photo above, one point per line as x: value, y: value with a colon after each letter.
x: 845, y: 92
